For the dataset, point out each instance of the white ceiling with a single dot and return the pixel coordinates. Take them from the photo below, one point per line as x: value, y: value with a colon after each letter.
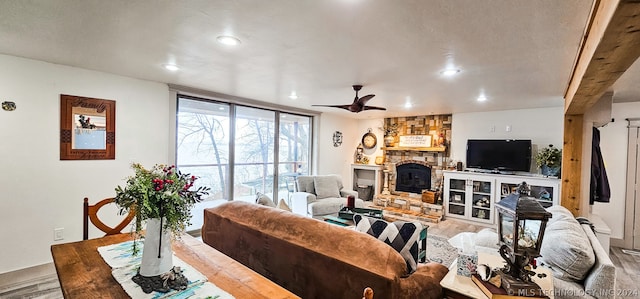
x: 519, y: 53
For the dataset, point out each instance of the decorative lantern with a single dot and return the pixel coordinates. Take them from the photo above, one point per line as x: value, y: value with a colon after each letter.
x: 522, y: 221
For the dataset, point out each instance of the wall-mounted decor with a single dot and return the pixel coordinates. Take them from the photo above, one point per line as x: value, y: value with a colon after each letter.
x: 87, y: 128
x: 369, y: 140
x: 8, y: 106
x: 415, y: 140
x: 337, y: 138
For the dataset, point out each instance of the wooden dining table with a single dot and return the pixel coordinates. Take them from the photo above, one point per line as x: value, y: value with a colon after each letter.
x: 83, y: 273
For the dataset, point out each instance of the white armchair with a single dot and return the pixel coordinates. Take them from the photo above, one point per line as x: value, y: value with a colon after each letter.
x: 321, y: 195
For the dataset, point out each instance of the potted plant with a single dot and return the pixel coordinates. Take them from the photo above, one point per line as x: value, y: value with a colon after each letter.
x: 162, y: 199
x: 390, y: 132
x: 548, y: 160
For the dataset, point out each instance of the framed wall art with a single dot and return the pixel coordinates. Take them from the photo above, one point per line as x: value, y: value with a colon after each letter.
x: 87, y: 128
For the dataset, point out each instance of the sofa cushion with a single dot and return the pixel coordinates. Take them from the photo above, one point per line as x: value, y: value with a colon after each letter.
x: 326, y: 186
x: 566, y: 249
x: 402, y: 236
x: 305, y: 184
x: 329, y: 206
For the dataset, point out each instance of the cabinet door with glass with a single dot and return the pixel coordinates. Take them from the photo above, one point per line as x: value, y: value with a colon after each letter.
x: 482, y: 204
x: 457, y: 197
x: 469, y: 197
x: 544, y: 190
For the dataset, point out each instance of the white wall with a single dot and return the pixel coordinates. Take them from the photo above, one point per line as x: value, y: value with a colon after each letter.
x: 613, y: 144
x: 337, y: 160
x: 543, y: 126
x: 40, y: 192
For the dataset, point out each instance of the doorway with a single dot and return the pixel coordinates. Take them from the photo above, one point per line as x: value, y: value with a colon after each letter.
x: 632, y: 202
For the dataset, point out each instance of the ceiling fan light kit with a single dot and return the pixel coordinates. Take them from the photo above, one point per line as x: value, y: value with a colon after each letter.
x: 358, y: 105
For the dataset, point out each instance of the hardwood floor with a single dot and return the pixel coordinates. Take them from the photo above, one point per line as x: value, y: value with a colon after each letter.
x: 41, y: 281
x: 627, y: 272
x: 35, y: 282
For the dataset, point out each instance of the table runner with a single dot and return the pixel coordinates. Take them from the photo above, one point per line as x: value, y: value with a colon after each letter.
x: 125, y: 265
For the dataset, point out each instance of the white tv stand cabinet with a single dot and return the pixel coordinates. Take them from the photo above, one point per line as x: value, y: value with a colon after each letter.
x: 473, y: 195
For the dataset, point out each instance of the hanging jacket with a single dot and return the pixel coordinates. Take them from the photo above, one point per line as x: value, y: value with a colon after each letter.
x: 600, y: 191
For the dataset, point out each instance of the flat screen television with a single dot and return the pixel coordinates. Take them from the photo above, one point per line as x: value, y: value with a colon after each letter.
x: 499, y: 155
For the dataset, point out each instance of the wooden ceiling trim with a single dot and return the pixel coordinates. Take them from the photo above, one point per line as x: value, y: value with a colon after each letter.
x: 612, y: 45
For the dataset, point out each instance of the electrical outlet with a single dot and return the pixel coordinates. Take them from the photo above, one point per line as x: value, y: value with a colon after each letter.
x: 492, y: 129
x: 508, y: 128
x: 58, y: 234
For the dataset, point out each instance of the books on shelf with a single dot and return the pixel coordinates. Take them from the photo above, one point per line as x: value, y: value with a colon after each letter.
x: 494, y: 292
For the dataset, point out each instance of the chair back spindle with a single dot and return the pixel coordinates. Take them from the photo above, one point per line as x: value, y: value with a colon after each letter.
x: 90, y: 213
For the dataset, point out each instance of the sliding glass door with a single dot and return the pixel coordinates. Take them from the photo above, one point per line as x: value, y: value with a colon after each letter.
x: 254, y: 153
x: 234, y: 149
x: 202, y: 145
x: 294, y: 152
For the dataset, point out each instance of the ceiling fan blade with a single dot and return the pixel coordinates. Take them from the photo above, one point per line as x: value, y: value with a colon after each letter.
x: 363, y: 100
x: 373, y: 108
x: 346, y: 107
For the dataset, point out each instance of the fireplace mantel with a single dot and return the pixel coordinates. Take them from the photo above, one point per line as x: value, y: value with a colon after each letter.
x: 415, y: 149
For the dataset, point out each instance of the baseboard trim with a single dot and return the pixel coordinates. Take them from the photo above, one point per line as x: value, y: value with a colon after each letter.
x: 615, y: 242
x: 15, y: 279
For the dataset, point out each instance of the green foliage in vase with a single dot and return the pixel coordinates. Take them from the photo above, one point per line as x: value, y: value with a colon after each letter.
x: 549, y: 156
x: 390, y: 130
x: 161, y: 192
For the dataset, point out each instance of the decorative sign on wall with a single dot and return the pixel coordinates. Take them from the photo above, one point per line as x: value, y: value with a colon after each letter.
x: 337, y: 138
x: 87, y: 128
x: 415, y: 141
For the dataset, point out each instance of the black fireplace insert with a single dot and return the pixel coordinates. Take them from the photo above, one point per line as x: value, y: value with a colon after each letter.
x: 413, y: 178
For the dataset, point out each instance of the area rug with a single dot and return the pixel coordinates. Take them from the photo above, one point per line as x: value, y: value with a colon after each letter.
x: 440, y: 251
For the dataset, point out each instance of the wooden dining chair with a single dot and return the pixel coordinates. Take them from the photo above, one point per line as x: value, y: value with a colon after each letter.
x: 368, y: 293
x: 91, y: 214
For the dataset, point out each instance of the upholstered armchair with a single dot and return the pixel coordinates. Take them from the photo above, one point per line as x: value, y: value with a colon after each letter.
x: 321, y: 195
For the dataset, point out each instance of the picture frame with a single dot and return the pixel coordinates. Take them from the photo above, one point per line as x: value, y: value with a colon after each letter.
x: 87, y: 128
x: 505, y: 190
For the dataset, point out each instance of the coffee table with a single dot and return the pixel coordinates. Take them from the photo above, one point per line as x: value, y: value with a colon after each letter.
x: 457, y: 286
x: 338, y: 221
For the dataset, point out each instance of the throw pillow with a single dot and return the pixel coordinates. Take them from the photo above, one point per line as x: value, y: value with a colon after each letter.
x: 264, y: 200
x: 402, y: 236
x: 566, y: 249
x: 487, y: 237
x: 283, y: 206
x: 326, y: 186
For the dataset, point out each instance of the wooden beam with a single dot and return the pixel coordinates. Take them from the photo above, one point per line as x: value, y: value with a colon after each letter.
x: 571, y: 164
x: 611, y: 46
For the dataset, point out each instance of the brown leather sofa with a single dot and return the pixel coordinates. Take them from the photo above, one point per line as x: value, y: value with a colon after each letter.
x: 314, y: 259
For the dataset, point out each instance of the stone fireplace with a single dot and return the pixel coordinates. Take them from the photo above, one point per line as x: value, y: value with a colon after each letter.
x: 434, y: 159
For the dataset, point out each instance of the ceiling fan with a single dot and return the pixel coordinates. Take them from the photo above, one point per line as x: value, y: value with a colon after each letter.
x: 358, y: 105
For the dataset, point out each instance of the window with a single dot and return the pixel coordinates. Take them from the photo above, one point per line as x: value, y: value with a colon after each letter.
x: 233, y: 148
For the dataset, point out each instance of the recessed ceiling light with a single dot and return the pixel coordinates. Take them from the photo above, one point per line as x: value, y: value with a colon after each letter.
x: 408, y: 105
x: 482, y: 98
x: 293, y: 95
x: 228, y: 40
x: 171, y: 67
x: 450, y: 72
